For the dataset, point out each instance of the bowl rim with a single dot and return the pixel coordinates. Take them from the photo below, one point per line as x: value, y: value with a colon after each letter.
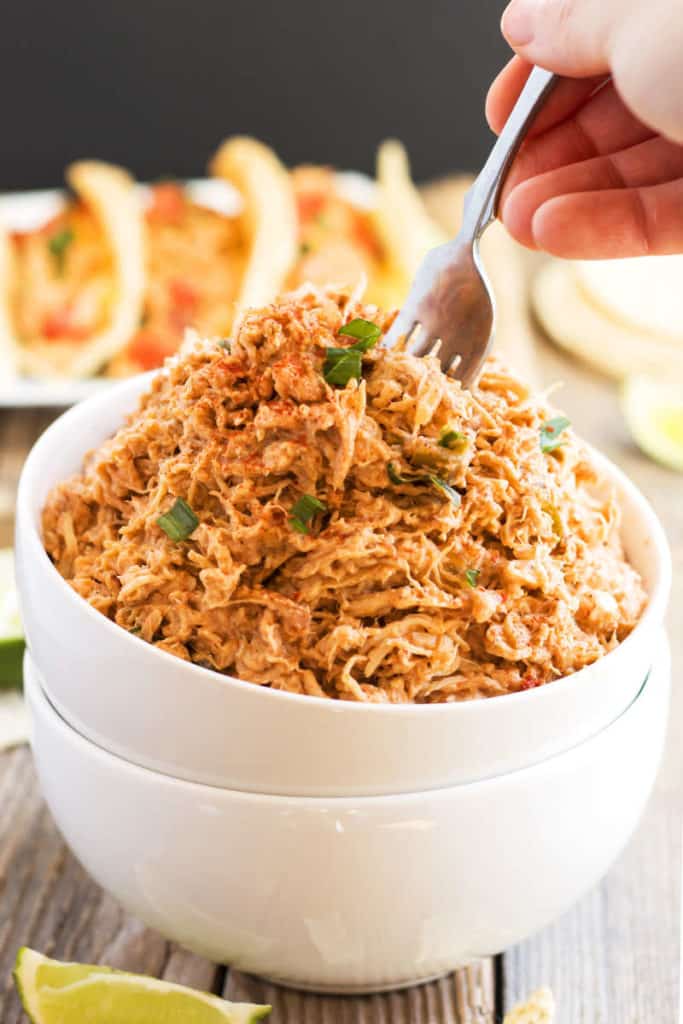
x: 36, y: 694
x: 28, y: 517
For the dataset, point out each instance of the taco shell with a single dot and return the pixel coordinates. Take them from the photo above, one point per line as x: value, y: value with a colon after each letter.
x: 9, y: 343
x: 405, y: 228
x: 109, y: 193
x: 269, y: 216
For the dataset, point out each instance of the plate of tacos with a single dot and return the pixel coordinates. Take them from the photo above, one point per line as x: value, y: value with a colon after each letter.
x: 102, y: 280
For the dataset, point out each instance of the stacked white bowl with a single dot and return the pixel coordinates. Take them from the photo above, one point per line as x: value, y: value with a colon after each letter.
x: 326, y: 844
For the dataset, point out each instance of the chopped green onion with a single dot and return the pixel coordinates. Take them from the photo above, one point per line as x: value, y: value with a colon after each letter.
x: 58, y: 245
x: 345, y: 364
x: 394, y: 475
x: 435, y: 481
x: 224, y: 343
x: 304, y: 510
x: 550, y: 433
x: 472, y: 576
x: 365, y: 332
x: 454, y: 440
x: 449, y: 491
x: 179, y: 522
x: 342, y: 365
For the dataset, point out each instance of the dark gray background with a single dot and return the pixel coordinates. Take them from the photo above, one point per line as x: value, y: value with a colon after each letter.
x: 156, y: 84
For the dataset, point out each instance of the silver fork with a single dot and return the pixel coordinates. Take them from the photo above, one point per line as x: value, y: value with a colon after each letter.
x: 450, y: 308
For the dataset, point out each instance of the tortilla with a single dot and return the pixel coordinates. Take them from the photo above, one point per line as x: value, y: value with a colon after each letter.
x: 109, y: 192
x: 575, y: 323
x: 269, y: 216
x: 643, y: 293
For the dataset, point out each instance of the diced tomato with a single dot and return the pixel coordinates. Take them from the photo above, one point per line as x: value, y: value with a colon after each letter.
x: 58, y: 324
x: 168, y: 203
x: 149, y: 349
x: 310, y: 204
x: 183, y: 294
x: 364, y: 234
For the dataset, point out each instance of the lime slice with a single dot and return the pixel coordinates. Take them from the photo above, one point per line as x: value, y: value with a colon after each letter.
x: 654, y: 413
x: 11, y: 632
x: 56, y: 993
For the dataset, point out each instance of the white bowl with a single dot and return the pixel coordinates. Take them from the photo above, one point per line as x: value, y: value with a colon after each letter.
x: 169, y: 715
x: 354, y: 893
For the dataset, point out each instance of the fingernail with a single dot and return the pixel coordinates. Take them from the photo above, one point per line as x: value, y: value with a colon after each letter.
x: 517, y: 23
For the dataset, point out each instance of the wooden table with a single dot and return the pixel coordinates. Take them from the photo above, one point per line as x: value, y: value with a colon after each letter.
x: 613, y: 959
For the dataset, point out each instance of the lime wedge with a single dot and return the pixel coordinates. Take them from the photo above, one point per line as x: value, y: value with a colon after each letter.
x: 11, y: 632
x: 57, y: 993
x: 654, y: 413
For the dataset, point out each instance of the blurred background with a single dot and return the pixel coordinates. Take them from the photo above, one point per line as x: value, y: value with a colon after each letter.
x: 156, y: 84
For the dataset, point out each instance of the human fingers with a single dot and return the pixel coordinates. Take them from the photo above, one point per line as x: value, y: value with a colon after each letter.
x: 568, y: 95
x: 651, y: 163
x: 609, y: 225
x: 639, y: 44
x: 571, y: 37
x: 604, y: 124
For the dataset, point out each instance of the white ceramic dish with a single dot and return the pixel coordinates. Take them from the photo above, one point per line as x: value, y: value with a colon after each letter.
x: 355, y: 893
x: 169, y: 715
x: 24, y: 211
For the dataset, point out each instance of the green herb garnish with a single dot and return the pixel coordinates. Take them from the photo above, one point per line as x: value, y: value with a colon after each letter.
x: 58, y: 245
x: 342, y: 365
x: 434, y: 481
x: 224, y: 343
x: 364, y: 331
x: 472, y: 576
x: 394, y: 475
x: 304, y: 510
x: 305, y: 248
x: 454, y: 440
x: 345, y: 364
x: 179, y: 522
x: 551, y: 431
x: 446, y: 489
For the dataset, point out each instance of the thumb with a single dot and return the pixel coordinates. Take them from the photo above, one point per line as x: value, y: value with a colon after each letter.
x: 571, y: 37
x: 639, y: 44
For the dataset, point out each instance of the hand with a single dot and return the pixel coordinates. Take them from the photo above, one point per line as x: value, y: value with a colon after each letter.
x: 601, y: 173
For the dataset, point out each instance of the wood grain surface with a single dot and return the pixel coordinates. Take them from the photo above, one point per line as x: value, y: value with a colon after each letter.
x: 613, y: 959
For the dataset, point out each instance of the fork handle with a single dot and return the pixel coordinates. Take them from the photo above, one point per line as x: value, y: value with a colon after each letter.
x: 482, y: 197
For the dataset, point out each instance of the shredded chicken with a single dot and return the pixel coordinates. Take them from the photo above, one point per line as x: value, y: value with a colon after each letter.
x: 431, y: 573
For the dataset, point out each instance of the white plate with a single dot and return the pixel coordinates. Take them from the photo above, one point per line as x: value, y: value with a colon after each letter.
x: 25, y: 211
